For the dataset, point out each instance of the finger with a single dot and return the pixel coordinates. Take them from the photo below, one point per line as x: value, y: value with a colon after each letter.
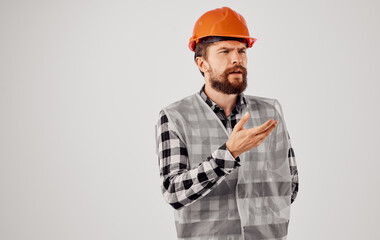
x: 263, y: 127
x: 239, y: 126
x: 266, y: 133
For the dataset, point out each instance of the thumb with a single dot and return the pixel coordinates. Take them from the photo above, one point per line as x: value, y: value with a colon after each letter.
x: 239, y: 126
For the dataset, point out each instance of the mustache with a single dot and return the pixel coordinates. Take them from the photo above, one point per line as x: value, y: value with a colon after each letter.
x: 237, y: 68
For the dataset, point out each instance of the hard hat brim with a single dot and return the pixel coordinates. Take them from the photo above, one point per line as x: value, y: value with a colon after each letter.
x: 250, y: 41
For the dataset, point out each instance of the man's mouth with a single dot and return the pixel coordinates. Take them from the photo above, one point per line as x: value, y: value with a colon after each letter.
x: 235, y: 72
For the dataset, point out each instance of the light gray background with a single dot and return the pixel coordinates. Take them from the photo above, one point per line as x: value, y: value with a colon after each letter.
x: 82, y: 83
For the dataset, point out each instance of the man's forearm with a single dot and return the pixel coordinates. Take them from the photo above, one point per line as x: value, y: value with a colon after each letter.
x: 182, y: 186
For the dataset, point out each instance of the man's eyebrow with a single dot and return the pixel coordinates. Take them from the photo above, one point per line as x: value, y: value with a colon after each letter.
x: 226, y: 48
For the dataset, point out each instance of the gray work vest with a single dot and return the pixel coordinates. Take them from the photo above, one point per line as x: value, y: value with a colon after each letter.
x: 254, y: 200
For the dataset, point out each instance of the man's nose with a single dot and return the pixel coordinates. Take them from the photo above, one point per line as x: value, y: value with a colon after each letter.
x: 236, y: 58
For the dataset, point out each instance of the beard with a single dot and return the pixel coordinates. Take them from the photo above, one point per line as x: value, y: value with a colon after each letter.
x: 222, y: 84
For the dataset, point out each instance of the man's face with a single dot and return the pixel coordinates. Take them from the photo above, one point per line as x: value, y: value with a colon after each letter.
x: 227, y: 61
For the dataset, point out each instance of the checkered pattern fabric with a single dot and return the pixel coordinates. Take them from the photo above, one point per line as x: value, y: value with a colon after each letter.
x: 182, y: 185
x: 246, y: 198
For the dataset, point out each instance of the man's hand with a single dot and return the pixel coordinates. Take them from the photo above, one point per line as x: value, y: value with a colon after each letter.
x: 242, y: 140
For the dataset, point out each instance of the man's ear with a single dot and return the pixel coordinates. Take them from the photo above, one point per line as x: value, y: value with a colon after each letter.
x: 202, y: 64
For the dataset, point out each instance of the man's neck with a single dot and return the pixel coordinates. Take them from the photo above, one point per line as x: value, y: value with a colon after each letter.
x: 226, y: 101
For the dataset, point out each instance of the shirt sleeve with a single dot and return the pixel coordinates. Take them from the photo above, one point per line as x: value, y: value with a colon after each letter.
x: 181, y: 185
x: 293, y: 171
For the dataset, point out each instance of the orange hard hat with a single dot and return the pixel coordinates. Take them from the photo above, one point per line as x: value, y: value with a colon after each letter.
x: 222, y: 22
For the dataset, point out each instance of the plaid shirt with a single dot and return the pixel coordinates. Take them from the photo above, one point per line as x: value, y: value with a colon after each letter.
x: 180, y: 185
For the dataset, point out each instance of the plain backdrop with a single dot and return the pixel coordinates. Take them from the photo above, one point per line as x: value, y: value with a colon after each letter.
x: 82, y: 84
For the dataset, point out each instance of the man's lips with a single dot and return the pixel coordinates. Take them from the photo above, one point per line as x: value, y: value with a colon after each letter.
x: 236, y: 72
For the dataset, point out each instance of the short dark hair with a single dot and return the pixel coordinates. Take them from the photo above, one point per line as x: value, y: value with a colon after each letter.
x: 201, y: 47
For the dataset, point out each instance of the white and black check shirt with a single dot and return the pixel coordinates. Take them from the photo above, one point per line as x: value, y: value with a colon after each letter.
x: 180, y: 185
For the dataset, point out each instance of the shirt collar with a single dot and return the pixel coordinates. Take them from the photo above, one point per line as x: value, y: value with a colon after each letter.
x: 240, y: 101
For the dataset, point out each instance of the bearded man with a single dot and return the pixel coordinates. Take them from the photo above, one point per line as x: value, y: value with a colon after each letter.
x: 226, y: 161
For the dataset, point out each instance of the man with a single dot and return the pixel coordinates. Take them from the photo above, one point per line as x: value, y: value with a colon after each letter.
x: 226, y: 162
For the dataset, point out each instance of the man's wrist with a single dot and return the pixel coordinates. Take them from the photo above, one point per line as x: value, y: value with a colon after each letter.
x: 224, y: 159
x: 233, y: 154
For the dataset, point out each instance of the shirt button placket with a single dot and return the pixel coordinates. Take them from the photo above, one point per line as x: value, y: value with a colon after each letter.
x: 229, y: 127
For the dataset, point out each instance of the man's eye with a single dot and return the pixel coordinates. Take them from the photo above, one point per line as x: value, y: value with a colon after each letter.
x: 225, y: 51
x: 242, y: 51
